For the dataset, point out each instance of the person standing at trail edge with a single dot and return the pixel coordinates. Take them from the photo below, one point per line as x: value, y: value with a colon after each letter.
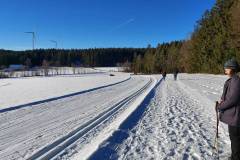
x: 229, y: 106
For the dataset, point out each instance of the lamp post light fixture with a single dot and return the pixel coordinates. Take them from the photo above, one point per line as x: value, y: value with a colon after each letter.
x: 55, y: 42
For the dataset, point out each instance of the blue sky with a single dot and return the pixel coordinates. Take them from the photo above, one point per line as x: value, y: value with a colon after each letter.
x: 97, y: 23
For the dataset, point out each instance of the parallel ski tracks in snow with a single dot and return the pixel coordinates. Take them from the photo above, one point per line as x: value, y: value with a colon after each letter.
x: 57, y: 148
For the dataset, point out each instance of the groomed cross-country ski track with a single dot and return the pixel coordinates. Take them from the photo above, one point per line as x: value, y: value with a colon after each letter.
x: 137, y: 117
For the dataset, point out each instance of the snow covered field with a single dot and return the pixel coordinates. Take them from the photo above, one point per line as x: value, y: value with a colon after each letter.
x: 178, y: 122
x: 51, y: 71
x: 110, y: 69
x: 19, y: 91
x: 175, y: 121
x: 27, y: 130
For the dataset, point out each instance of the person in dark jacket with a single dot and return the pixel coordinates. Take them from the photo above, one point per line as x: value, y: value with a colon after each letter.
x: 175, y: 73
x: 229, y: 106
x: 164, y: 74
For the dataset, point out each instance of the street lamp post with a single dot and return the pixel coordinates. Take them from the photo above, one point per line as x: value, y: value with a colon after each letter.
x: 33, y: 38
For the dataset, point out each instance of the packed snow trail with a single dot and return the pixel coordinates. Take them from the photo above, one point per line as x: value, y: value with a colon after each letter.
x: 178, y: 124
x: 27, y: 130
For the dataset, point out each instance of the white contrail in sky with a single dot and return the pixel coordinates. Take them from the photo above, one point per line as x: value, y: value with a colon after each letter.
x: 123, y: 24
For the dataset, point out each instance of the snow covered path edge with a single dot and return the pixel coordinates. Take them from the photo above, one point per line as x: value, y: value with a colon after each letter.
x: 59, y: 97
x: 91, y: 148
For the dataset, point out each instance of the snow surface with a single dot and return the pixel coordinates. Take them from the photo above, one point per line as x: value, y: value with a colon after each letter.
x: 175, y: 121
x: 19, y: 91
x: 179, y: 122
x: 110, y: 69
x: 27, y: 130
x: 107, y: 131
x: 52, y: 71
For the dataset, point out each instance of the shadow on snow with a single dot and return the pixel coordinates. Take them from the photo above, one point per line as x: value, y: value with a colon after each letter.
x: 108, y: 149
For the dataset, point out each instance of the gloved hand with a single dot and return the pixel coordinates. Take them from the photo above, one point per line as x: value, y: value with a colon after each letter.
x: 218, y: 104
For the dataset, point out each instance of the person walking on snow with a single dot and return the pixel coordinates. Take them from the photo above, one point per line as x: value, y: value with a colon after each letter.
x: 229, y: 106
x: 175, y: 73
x: 164, y: 74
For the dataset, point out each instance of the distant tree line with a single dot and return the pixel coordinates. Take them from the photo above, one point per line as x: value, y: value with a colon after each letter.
x: 165, y: 57
x: 138, y: 60
x: 99, y: 57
